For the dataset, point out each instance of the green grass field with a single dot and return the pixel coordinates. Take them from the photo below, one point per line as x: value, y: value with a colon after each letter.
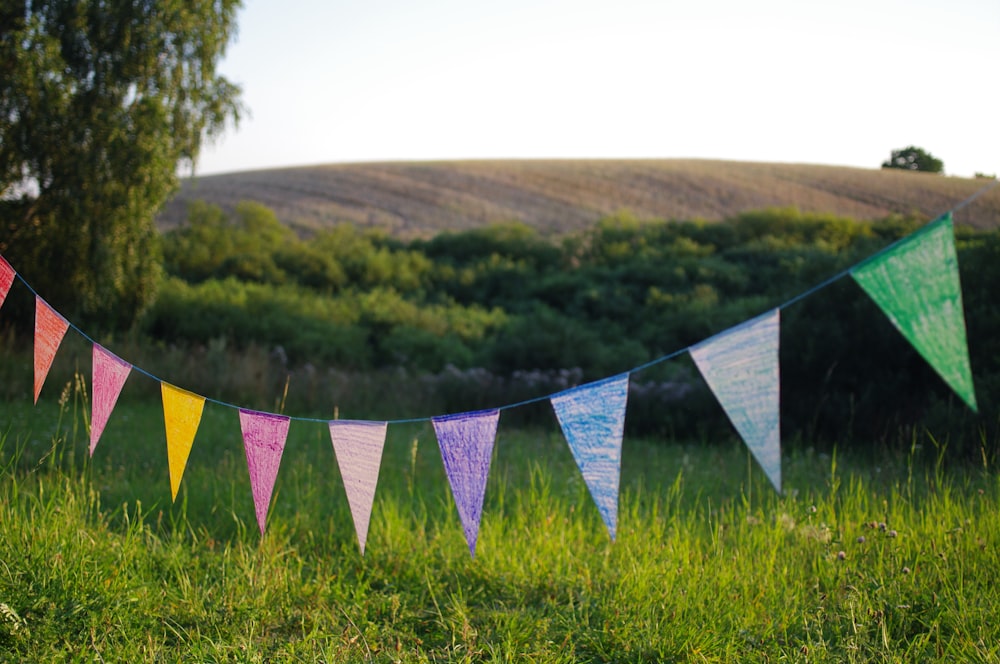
x: 863, y: 559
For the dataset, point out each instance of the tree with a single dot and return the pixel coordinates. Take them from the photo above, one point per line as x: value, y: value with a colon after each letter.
x: 914, y: 159
x: 101, y: 102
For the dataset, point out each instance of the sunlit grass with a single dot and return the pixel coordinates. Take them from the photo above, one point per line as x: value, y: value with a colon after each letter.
x: 885, y: 559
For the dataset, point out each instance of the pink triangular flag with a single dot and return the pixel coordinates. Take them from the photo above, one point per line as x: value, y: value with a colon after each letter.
x: 50, y: 328
x: 6, y: 279
x: 264, y: 437
x: 466, y: 442
x: 358, y: 447
x: 109, y: 375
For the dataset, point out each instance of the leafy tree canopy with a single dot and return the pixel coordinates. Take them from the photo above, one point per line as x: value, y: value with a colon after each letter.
x: 101, y: 101
x: 914, y: 159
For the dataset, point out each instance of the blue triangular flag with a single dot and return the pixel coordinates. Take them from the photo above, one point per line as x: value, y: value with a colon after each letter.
x: 592, y: 418
x: 740, y: 365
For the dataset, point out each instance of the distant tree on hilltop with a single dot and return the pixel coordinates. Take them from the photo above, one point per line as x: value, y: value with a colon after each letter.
x: 914, y: 159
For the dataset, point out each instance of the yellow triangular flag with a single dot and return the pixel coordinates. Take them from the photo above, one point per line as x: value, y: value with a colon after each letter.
x: 181, y: 415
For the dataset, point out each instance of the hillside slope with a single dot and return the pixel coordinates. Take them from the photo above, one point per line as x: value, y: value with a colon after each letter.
x: 411, y: 199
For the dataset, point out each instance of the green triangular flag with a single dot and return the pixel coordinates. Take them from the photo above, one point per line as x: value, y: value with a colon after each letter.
x: 916, y: 284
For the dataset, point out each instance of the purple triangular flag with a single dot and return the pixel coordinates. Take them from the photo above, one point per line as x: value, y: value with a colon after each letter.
x: 592, y: 418
x: 358, y: 448
x: 466, y: 442
x: 740, y: 365
x: 264, y: 437
x: 109, y: 375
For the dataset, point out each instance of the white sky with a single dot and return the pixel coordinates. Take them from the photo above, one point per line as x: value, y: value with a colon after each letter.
x: 838, y: 82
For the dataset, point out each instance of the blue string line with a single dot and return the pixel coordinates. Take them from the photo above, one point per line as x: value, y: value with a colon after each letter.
x: 641, y: 367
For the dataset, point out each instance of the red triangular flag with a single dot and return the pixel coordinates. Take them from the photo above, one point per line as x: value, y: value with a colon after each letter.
x: 50, y: 328
x: 6, y: 279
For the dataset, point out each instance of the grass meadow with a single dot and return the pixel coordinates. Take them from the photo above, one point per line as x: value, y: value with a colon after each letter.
x: 877, y: 557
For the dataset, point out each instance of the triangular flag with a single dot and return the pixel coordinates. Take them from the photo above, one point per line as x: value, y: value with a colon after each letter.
x: 917, y: 286
x: 592, y: 418
x: 181, y: 416
x: 50, y: 328
x: 358, y: 448
x: 740, y: 365
x: 264, y: 437
x: 6, y: 279
x: 108, y: 377
x: 466, y: 442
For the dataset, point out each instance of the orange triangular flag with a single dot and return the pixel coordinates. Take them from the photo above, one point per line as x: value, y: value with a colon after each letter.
x: 181, y: 416
x: 50, y: 328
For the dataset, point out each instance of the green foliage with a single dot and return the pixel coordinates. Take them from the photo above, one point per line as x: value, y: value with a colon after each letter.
x: 99, y: 104
x: 913, y: 158
x: 518, y: 304
x: 353, y: 330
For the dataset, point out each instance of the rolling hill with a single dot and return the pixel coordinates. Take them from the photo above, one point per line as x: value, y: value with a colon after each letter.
x: 422, y: 198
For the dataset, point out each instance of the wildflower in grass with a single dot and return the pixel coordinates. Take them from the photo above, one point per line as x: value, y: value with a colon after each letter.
x: 812, y: 509
x: 906, y: 570
x: 861, y: 539
x: 841, y: 555
x: 882, y: 526
x: 786, y: 522
x: 891, y: 533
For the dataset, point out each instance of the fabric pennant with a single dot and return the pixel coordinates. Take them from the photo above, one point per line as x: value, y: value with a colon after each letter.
x: 916, y: 284
x: 264, y: 436
x: 50, y: 328
x: 6, y: 279
x: 740, y: 366
x: 109, y: 374
x: 181, y: 416
x: 466, y: 442
x: 592, y: 418
x: 358, y: 448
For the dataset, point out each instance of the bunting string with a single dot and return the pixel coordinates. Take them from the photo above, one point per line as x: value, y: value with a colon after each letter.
x: 914, y: 281
x: 5, y: 267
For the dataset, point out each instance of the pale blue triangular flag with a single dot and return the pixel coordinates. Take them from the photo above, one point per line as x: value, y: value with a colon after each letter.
x: 740, y: 365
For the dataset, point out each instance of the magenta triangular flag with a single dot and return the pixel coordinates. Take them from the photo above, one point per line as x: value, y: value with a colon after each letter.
x: 6, y: 279
x: 466, y: 442
x: 740, y: 365
x: 592, y: 418
x: 109, y: 375
x: 264, y: 437
x: 50, y: 328
x: 358, y: 448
